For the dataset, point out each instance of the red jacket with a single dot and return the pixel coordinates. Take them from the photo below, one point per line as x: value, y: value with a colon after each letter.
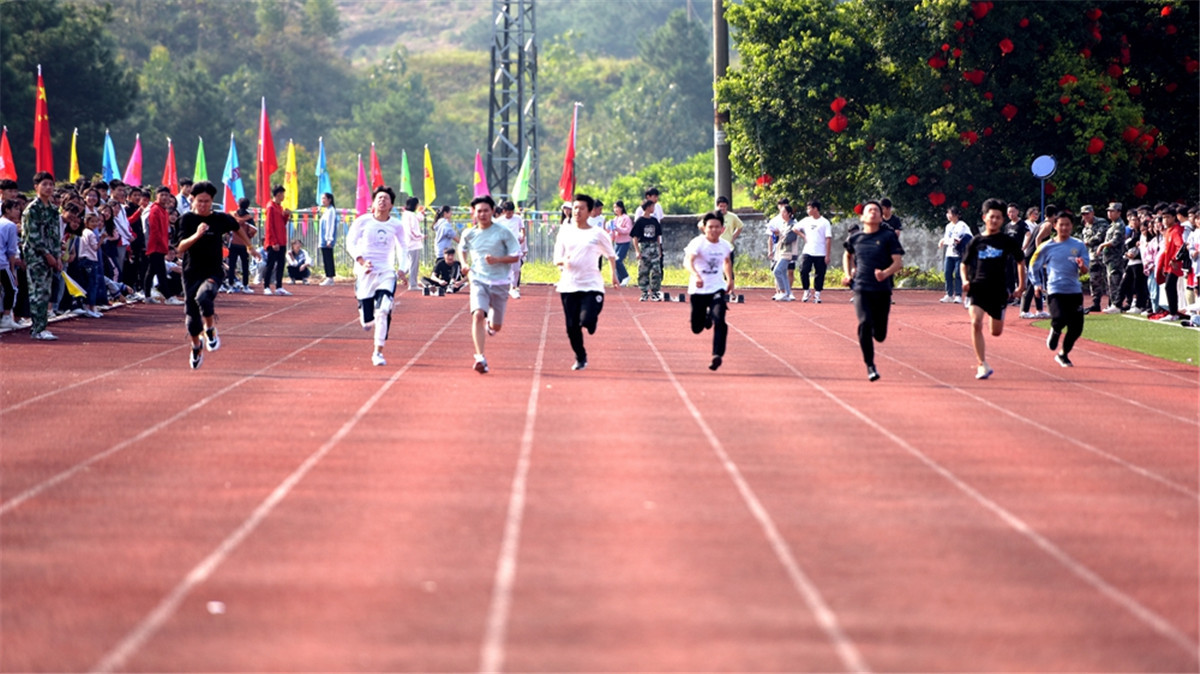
x: 1172, y: 244
x: 276, y: 234
x: 158, y: 228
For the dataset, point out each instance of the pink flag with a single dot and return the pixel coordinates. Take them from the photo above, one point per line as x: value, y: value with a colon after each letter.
x: 481, y: 186
x: 133, y: 170
x: 362, y: 196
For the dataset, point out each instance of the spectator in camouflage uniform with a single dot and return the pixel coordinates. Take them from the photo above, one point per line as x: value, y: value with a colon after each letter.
x: 1113, y: 250
x: 647, y: 242
x: 1094, y: 232
x: 42, y: 252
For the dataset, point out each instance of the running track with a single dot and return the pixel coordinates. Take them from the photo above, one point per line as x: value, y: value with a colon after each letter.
x: 289, y: 507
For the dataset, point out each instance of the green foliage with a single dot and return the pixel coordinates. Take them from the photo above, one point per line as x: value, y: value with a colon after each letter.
x: 686, y: 187
x: 949, y: 101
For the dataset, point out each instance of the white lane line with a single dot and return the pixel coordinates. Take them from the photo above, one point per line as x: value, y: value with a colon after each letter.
x: 1132, y: 467
x: 1124, y: 400
x: 119, y: 655
x: 1147, y: 616
x: 160, y: 354
x: 491, y: 654
x: 851, y: 659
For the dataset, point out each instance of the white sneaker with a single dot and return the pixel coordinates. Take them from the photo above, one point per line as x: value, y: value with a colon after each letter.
x: 80, y: 311
x: 777, y: 297
x: 1026, y: 314
x: 1112, y: 309
x: 378, y: 359
x: 1042, y: 314
x: 983, y: 371
x: 327, y: 282
x: 806, y: 296
x: 212, y: 341
x: 481, y: 364
x: 817, y: 297
x: 946, y: 299
x: 267, y: 291
x: 514, y: 293
x: 7, y: 323
x: 788, y: 298
x: 281, y: 291
x: 156, y: 297
x: 174, y: 301
x: 958, y: 299
x: 94, y: 314
x: 44, y: 336
x: 247, y: 290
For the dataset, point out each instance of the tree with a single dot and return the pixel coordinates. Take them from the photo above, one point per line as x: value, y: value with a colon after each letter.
x: 88, y: 85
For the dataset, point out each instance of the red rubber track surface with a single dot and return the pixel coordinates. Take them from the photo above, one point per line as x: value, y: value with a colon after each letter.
x: 645, y: 514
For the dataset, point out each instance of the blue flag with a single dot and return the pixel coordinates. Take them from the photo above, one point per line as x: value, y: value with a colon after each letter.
x: 110, y: 169
x: 232, y: 178
x: 323, y: 184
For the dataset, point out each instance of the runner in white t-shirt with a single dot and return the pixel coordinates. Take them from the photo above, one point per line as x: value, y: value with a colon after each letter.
x: 581, y: 286
x: 709, y: 261
x: 372, y: 242
x: 817, y: 232
x: 509, y: 219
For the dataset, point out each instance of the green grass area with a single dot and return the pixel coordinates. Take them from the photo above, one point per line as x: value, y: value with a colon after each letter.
x: 1169, y: 341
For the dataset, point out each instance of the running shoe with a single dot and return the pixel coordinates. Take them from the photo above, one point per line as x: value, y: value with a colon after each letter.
x: 1026, y: 314
x: 1042, y: 314
x: 872, y: 373
x: 267, y: 291
x: 377, y: 359
x: 817, y: 297
x: 8, y: 323
x: 958, y: 299
x: 1061, y: 359
x: 1052, y: 340
x: 91, y: 313
x: 196, y: 358
x: 174, y: 301
x: 776, y: 297
x: 946, y: 299
x: 806, y: 297
x: 490, y: 330
x: 716, y: 363
x: 1112, y: 309
x: 514, y: 293
x: 645, y: 297
x: 983, y: 371
x: 788, y: 298
x: 579, y: 365
x: 281, y: 291
x: 656, y: 297
x: 212, y: 341
x: 327, y: 282
x: 44, y: 336
x: 481, y: 365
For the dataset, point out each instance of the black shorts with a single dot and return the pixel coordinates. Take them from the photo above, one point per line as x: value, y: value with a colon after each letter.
x: 993, y: 300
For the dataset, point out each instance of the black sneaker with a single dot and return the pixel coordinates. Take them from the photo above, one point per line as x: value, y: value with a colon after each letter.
x: 1052, y: 340
x: 716, y: 363
x: 872, y: 373
x: 1061, y: 359
x: 197, y: 357
x: 579, y: 365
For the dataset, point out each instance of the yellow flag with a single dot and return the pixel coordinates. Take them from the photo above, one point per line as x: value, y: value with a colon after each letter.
x: 72, y: 287
x: 291, y: 181
x: 74, y: 173
x: 430, y: 188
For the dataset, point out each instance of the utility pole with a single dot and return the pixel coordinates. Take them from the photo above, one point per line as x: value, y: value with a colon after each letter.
x: 722, y: 182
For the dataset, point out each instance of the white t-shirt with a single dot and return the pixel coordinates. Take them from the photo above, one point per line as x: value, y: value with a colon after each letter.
x: 709, y: 260
x: 657, y: 214
x: 515, y: 225
x: 376, y: 242
x: 954, y: 232
x: 816, y: 233
x: 581, y: 250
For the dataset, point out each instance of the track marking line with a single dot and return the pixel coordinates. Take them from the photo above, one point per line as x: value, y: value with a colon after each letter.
x: 1132, y: 467
x: 492, y: 653
x: 1147, y: 616
x: 1049, y: 373
x: 851, y: 659
x: 82, y: 382
x: 145, y: 630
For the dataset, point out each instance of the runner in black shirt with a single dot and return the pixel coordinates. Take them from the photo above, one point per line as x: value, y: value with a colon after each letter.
x: 201, y: 245
x: 984, y: 273
x: 872, y: 256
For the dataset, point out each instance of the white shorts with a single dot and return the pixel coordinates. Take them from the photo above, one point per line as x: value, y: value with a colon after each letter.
x: 367, y: 283
x: 490, y: 299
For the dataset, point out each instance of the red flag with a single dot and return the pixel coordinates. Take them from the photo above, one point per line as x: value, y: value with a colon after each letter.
x: 376, y: 172
x: 566, y: 184
x: 7, y: 170
x: 41, y: 128
x: 267, y: 162
x: 170, y: 176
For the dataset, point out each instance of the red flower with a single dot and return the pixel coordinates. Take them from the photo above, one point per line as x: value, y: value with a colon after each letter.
x: 1064, y: 99
x: 839, y: 123
x: 969, y: 137
x: 1153, y: 131
x: 945, y: 46
x: 958, y: 25
x: 974, y: 77
x: 837, y: 104
x: 1006, y: 46
x: 764, y: 179
x: 1094, y: 14
x: 1024, y: 23
x: 1050, y: 188
x: 980, y: 9
x: 1057, y: 118
x: 987, y: 131
x: 937, y: 198
x: 1171, y: 87
x: 946, y: 164
x: 1095, y: 145
x: 956, y: 53
x: 1135, y: 90
x: 1146, y: 141
x: 912, y: 180
x: 1139, y: 190
x: 1166, y: 11
x: 858, y: 208
x: 1131, y: 134
x: 988, y: 95
x: 1191, y: 65
x: 970, y: 188
x: 1114, y: 71
x: 1171, y: 29
x: 1085, y: 53
x: 937, y: 63
x: 1067, y: 79
x: 1125, y: 55
x: 1080, y: 103
x: 1008, y: 112
x: 1161, y: 151
x: 1096, y: 36
x: 965, y: 203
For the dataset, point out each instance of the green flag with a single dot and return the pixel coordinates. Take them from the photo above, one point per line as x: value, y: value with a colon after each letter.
x: 405, y: 176
x: 201, y: 164
x: 521, y: 188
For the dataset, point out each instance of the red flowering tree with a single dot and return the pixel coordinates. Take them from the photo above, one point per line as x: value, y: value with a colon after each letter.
x: 1109, y: 89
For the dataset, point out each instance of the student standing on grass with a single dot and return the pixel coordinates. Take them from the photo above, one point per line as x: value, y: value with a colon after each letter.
x: 709, y: 261
x: 490, y: 250
x: 201, y: 231
x: 873, y: 255
x: 372, y: 242
x: 327, y: 229
x: 581, y: 285
x: 984, y: 279
x: 1057, y: 265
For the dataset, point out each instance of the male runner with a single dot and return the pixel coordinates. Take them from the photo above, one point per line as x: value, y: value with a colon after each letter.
x: 1057, y: 265
x: 372, y: 242
x: 984, y: 269
x: 709, y: 260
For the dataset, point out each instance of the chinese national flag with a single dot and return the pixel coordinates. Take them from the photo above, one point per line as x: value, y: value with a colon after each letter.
x: 41, y: 128
x: 566, y: 184
x: 268, y: 163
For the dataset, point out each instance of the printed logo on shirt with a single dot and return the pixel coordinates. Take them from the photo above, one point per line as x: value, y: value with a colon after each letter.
x: 648, y: 231
x: 989, y: 253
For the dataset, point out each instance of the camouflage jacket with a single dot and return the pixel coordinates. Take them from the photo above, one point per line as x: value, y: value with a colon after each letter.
x: 41, y: 227
x: 1115, y: 253
x: 1093, y: 236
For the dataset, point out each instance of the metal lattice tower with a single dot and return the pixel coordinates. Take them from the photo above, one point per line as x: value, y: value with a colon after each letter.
x: 512, y: 114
